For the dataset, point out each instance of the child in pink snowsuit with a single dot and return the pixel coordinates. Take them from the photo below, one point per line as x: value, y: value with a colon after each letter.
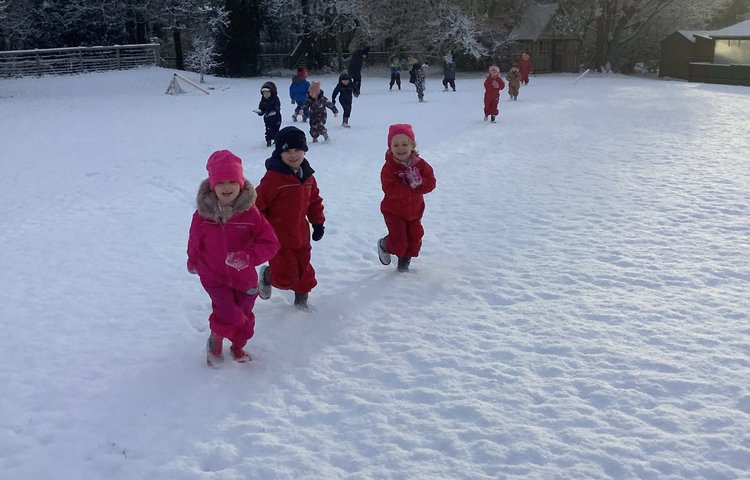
x: 228, y: 238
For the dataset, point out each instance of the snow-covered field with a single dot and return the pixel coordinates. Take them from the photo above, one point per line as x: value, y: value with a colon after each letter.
x: 580, y: 309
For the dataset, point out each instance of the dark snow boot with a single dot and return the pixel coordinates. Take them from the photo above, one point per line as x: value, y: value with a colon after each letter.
x: 492, y: 119
x: 300, y: 301
x: 214, y: 357
x: 383, y: 255
x: 264, y: 283
x: 403, y: 264
x: 268, y: 143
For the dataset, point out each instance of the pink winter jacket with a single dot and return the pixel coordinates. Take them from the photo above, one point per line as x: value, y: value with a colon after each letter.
x: 239, y: 230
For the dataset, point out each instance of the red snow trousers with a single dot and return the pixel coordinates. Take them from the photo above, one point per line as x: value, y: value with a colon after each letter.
x: 291, y: 270
x: 404, y: 236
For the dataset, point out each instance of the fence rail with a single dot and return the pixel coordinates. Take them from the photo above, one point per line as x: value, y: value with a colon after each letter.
x: 61, y: 61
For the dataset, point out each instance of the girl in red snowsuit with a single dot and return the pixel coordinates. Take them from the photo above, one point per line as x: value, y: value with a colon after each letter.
x: 492, y: 86
x: 525, y: 67
x: 405, y: 178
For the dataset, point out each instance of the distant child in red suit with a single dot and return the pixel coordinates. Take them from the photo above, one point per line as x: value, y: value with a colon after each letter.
x: 492, y: 86
x: 405, y: 178
x: 525, y: 67
x: 289, y: 198
x: 228, y: 239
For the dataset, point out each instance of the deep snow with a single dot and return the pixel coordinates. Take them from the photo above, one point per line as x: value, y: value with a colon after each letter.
x: 579, y: 310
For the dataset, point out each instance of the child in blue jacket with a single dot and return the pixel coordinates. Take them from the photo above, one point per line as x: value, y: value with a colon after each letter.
x: 298, y: 93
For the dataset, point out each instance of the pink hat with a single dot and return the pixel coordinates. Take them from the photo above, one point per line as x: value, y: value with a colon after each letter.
x: 314, y: 88
x: 223, y: 166
x: 400, y: 129
x: 494, y: 69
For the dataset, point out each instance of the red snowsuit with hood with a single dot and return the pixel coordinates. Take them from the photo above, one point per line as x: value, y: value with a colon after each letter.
x: 492, y: 87
x: 291, y: 202
x: 402, y: 206
x: 524, y: 66
x: 230, y: 280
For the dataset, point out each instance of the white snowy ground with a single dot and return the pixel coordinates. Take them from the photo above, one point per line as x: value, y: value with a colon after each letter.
x: 580, y: 309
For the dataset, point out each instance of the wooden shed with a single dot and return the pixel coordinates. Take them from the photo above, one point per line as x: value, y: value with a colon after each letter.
x: 550, y: 50
x: 681, y: 48
x: 732, y: 44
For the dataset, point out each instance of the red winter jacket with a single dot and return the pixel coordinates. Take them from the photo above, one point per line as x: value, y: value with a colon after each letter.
x: 239, y: 229
x: 400, y: 199
x: 289, y: 201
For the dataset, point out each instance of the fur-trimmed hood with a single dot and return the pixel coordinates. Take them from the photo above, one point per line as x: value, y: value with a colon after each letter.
x: 208, y: 205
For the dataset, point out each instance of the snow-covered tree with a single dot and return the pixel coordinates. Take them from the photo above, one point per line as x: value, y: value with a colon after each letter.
x: 203, y: 57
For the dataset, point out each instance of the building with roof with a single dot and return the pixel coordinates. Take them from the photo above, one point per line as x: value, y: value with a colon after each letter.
x: 683, y: 47
x: 718, y: 56
x: 550, y: 50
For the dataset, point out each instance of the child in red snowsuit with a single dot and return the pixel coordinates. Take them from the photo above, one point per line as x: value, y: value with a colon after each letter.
x: 228, y: 239
x: 492, y: 86
x: 525, y: 67
x: 405, y: 178
x: 289, y: 198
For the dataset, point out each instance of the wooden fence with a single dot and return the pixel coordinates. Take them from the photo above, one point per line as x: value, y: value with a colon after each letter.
x: 61, y: 61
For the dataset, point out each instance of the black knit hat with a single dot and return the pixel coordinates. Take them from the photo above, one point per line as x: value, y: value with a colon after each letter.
x: 289, y: 138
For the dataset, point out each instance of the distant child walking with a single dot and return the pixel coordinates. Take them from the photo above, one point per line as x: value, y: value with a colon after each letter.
x: 449, y: 72
x: 316, y: 104
x: 228, y: 239
x: 405, y: 178
x: 344, y: 90
x: 395, y: 67
x: 298, y: 93
x: 289, y: 198
x: 514, y: 82
x: 270, y: 108
x: 525, y: 67
x: 492, y: 86
x: 418, y: 76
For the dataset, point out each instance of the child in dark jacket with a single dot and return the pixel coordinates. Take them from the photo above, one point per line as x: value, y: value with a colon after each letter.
x: 228, y: 239
x: 270, y: 108
x: 298, y: 93
x: 344, y: 90
x: 419, y: 74
x: 317, y: 103
x: 395, y: 67
x: 289, y: 198
x: 405, y: 178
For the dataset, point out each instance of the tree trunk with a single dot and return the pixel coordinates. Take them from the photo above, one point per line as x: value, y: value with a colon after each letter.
x: 179, y: 57
x: 240, y: 52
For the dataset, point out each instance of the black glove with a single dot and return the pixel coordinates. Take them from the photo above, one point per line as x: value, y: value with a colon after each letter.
x: 318, y: 231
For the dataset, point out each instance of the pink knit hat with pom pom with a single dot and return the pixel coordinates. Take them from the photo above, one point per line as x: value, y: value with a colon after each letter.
x: 494, y: 69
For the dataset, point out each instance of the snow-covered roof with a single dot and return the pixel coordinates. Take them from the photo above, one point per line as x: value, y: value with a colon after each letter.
x: 534, y: 21
x: 691, y: 34
x: 738, y: 30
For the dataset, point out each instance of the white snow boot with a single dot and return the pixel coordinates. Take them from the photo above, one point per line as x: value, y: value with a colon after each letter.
x: 383, y: 255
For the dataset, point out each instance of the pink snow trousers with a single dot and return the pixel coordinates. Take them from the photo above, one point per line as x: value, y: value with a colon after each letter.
x: 404, y: 236
x: 232, y: 317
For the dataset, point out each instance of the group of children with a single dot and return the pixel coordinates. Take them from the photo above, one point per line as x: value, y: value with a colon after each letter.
x: 237, y: 227
x: 312, y: 104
